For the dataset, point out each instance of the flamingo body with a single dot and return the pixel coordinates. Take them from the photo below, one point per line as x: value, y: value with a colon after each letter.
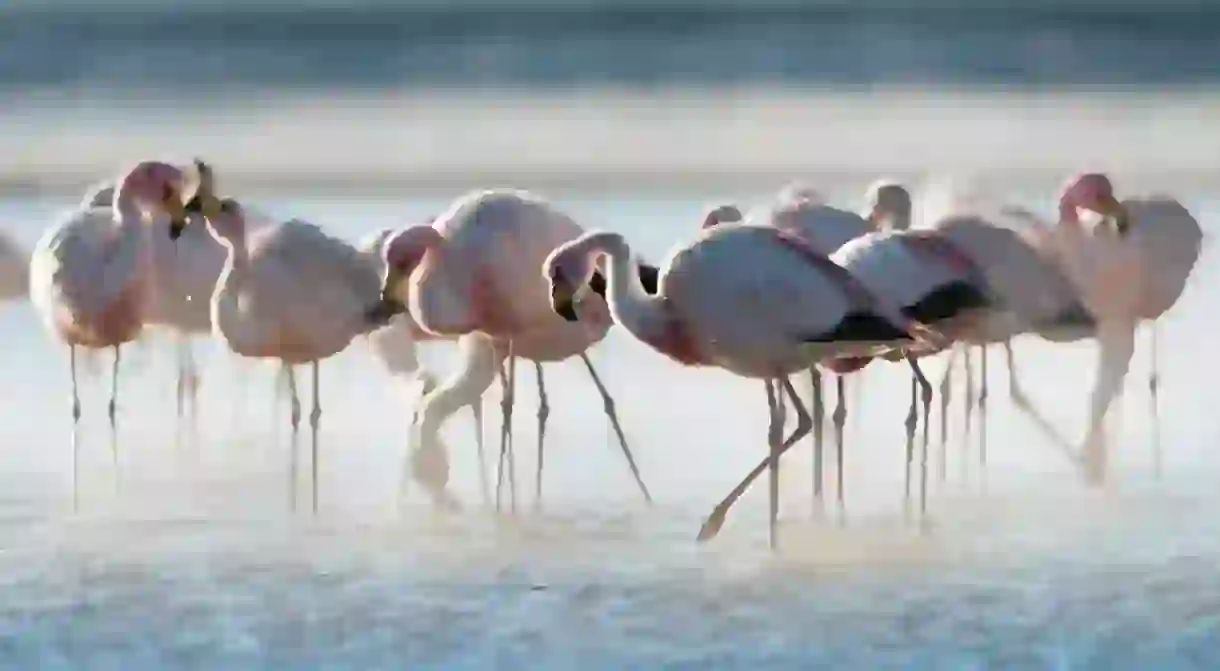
x: 300, y: 296
x: 485, y: 274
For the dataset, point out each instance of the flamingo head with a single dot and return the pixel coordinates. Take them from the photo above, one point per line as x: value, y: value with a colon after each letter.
x: 800, y: 192
x: 157, y: 186
x: 889, y: 205
x: 401, y: 253
x: 722, y: 214
x: 198, y: 196
x: 570, y: 269
x: 1093, y: 191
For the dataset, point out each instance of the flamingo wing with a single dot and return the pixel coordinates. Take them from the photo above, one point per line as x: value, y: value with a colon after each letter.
x: 1170, y: 241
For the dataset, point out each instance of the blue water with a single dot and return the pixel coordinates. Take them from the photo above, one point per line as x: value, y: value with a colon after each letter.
x: 122, y: 53
x: 196, y: 561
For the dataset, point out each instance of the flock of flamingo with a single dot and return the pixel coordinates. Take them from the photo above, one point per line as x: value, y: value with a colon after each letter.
x: 794, y: 286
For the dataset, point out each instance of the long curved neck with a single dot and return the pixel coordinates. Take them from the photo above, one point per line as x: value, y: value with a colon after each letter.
x: 479, y: 362
x: 129, y: 255
x: 226, y: 314
x: 630, y: 305
x: 1067, y: 213
x: 900, y: 220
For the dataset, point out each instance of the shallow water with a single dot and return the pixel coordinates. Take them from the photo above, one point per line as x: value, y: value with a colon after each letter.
x: 197, y: 561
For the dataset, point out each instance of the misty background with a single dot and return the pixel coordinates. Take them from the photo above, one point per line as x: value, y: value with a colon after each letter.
x: 423, y: 94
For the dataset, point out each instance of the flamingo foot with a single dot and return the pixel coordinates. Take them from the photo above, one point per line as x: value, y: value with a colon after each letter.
x: 711, y: 527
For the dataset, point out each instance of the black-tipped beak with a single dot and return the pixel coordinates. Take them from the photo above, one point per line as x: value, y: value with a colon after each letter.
x: 380, y: 313
x: 1122, y: 220
x: 176, y: 226
x: 561, y: 304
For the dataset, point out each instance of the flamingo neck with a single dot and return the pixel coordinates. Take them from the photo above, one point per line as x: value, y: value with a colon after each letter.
x: 131, y: 252
x: 650, y: 318
x: 1067, y: 213
x: 630, y: 305
x: 900, y: 219
x: 226, y: 312
x: 127, y: 212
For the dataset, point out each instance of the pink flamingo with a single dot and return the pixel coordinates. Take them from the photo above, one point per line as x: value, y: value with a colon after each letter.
x: 892, y: 202
x: 1132, y: 271
x: 753, y: 300
x: 801, y: 211
x: 480, y: 358
x: 474, y: 270
x: 187, y: 270
x: 288, y: 292
x: 91, y: 276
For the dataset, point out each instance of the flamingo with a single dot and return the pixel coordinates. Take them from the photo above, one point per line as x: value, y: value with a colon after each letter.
x: 186, y: 270
x: 892, y: 202
x: 753, y: 300
x: 91, y: 279
x: 474, y: 269
x: 971, y: 280
x: 1154, y: 240
x: 288, y: 292
x: 801, y: 211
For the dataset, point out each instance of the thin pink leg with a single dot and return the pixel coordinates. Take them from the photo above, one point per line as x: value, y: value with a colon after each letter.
x: 711, y: 527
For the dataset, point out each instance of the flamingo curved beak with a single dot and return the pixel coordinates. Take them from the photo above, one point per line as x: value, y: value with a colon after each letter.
x: 1118, y: 212
x: 563, y: 296
x: 177, y: 214
x: 380, y: 313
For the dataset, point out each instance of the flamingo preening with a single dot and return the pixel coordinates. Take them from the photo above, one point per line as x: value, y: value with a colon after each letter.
x: 474, y: 270
x: 1130, y: 271
x: 92, y: 275
x: 753, y: 300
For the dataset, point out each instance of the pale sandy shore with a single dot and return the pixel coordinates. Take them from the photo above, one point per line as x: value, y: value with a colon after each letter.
x: 620, y: 140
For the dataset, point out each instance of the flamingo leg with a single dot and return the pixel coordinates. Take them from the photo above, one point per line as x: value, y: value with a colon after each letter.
x: 983, y: 416
x: 946, y: 387
x: 290, y: 380
x: 188, y: 384
x: 804, y: 424
x: 1026, y: 406
x: 544, y: 412
x: 840, y: 419
x: 612, y: 414
x: 180, y: 389
x: 506, y: 435
x: 819, y: 418
x: 113, y: 414
x: 192, y: 387
x: 925, y: 388
x: 75, y: 430
x: 315, y: 420
x: 1116, y: 344
x: 968, y: 417
x: 775, y: 437
x: 1154, y: 385
x: 476, y: 409
x: 912, y: 421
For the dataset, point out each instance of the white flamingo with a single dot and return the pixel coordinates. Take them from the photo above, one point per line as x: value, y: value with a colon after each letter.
x: 472, y: 271
x: 753, y: 300
x: 288, y: 292
x: 803, y: 212
x: 91, y: 275
x: 186, y: 272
